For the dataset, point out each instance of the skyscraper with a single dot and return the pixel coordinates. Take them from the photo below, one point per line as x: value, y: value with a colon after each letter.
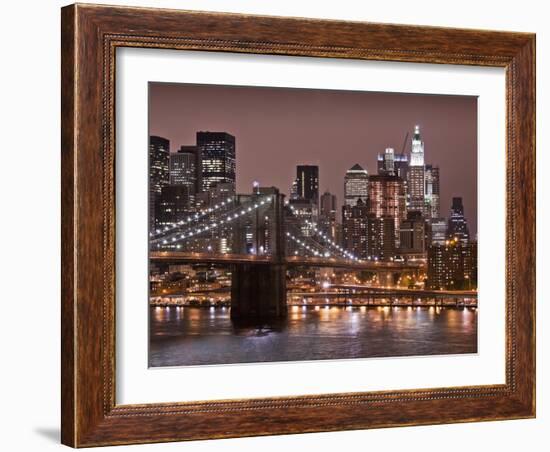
x: 380, y: 237
x: 438, y: 229
x: 389, y: 162
x: 416, y: 183
x: 412, y: 234
x: 172, y: 206
x: 400, y: 164
x: 307, y: 183
x: 354, y: 229
x: 387, y: 199
x: 458, y: 226
x: 185, y: 170
x: 356, y: 185
x: 159, y: 154
x: 327, y: 215
x: 218, y: 158
x: 431, y: 178
x: 294, y: 190
x: 328, y: 205
x: 452, y: 265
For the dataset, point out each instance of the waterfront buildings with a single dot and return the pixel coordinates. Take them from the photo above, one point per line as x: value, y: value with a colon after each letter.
x: 452, y: 266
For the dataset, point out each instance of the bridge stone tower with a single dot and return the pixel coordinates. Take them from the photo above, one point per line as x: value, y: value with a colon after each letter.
x: 258, y: 290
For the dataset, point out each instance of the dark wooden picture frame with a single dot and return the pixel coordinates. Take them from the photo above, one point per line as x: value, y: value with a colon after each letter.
x: 90, y: 37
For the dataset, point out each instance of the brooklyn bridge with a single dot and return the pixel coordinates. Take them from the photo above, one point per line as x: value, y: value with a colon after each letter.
x: 261, y: 238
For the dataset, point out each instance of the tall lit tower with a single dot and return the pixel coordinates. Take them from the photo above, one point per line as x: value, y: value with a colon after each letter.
x: 159, y: 156
x: 431, y: 177
x: 185, y: 170
x: 458, y: 225
x: 307, y: 177
x: 356, y: 185
x: 416, y: 173
x: 218, y: 159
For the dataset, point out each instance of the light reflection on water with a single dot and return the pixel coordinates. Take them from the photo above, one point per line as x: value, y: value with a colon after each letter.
x: 192, y: 336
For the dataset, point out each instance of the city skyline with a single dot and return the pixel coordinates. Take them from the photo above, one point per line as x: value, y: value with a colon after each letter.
x: 280, y: 167
x: 302, y: 215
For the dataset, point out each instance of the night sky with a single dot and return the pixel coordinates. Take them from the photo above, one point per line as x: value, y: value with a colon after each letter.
x: 279, y: 128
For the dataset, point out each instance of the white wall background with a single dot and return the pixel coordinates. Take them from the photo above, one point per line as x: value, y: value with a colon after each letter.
x: 29, y: 178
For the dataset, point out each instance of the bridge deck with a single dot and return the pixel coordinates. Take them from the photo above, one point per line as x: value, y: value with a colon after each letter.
x: 217, y: 258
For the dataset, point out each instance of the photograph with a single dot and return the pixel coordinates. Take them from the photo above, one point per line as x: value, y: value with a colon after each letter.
x: 290, y: 224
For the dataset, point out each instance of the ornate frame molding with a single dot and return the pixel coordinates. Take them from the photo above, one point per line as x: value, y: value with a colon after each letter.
x: 90, y: 37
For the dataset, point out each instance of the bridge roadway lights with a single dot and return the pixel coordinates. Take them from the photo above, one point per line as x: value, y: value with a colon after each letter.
x: 258, y: 291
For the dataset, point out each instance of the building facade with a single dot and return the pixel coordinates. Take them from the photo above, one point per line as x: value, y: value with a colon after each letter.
x: 431, y: 178
x: 355, y: 229
x: 452, y: 266
x: 387, y: 199
x: 416, y: 182
x: 458, y: 225
x: 218, y: 159
x: 159, y: 174
x: 412, y: 235
x: 356, y: 185
x: 438, y: 231
x: 307, y: 183
x: 380, y: 237
x: 172, y: 206
x: 185, y: 170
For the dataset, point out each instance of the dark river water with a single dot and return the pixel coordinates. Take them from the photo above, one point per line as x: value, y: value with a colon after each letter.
x: 182, y: 336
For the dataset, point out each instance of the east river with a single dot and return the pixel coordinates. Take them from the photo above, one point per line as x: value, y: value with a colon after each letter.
x: 194, y: 336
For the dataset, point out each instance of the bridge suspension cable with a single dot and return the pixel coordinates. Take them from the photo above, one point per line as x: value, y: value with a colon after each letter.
x: 333, y: 244
x: 312, y: 245
x: 191, y: 218
x: 177, y: 235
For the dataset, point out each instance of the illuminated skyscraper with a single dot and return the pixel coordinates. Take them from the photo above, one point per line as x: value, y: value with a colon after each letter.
x: 380, y: 237
x: 307, y: 183
x: 355, y: 229
x: 431, y: 177
x: 327, y: 215
x: 389, y: 162
x: 458, y: 226
x: 412, y: 233
x: 185, y: 170
x: 159, y: 152
x: 356, y: 185
x: 172, y: 206
x: 328, y: 205
x: 416, y: 182
x: 452, y: 265
x: 218, y: 158
x: 387, y: 199
x: 438, y: 230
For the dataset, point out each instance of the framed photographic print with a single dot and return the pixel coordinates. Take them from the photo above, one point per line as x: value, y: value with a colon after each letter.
x: 278, y: 225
